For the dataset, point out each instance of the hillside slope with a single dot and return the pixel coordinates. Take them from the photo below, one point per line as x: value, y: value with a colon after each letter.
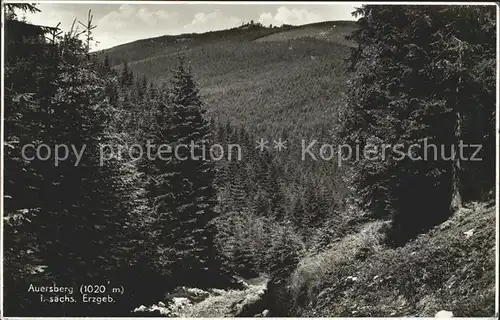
x: 332, y: 31
x: 452, y: 267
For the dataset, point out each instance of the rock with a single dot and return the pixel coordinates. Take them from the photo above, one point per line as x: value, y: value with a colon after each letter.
x: 324, y: 293
x: 250, y: 304
x: 445, y: 225
x: 444, y: 314
x: 217, y: 292
x: 265, y: 313
x: 154, y: 310
x: 243, y: 283
x: 141, y: 308
x: 148, y: 314
x: 193, y: 294
x: 180, y: 303
x: 469, y: 233
x: 157, y: 310
x: 161, y: 304
x: 196, y: 295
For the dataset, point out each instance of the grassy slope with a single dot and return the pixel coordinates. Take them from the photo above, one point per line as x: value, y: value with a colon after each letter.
x: 331, y: 31
x: 443, y: 269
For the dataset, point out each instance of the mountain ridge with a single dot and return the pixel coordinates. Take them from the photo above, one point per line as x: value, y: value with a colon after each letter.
x: 166, y: 38
x: 252, y: 79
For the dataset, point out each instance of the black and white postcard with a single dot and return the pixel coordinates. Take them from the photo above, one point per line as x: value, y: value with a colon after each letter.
x: 249, y: 159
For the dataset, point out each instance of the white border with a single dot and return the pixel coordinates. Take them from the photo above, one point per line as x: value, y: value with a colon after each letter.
x: 330, y: 3
x: 1, y: 164
x: 497, y: 160
x: 261, y: 4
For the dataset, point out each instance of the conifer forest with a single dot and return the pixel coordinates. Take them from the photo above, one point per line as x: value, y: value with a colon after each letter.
x: 340, y: 168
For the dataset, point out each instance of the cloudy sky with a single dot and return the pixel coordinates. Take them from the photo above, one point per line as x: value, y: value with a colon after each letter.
x: 124, y: 22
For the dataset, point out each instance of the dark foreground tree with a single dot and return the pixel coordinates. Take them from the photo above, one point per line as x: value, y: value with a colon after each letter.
x: 181, y: 188
x: 423, y: 75
x: 75, y: 222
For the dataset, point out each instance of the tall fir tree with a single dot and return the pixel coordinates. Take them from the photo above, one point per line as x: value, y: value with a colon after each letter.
x: 416, y: 82
x: 181, y: 189
x: 84, y: 219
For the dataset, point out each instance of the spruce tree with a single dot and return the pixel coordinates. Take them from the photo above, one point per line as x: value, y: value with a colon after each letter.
x: 417, y: 80
x: 84, y: 221
x: 181, y: 189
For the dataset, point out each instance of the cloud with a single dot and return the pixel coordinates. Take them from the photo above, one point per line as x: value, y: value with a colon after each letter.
x: 214, y: 20
x: 157, y: 17
x: 293, y: 16
x: 133, y: 22
x: 49, y: 17
x: 136, y: 17
x: 121, y: 23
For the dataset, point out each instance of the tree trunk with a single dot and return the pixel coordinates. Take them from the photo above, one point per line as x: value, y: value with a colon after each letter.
x: 456, y: 199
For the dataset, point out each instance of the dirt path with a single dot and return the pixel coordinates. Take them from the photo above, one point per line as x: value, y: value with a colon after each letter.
x: 229, y: 302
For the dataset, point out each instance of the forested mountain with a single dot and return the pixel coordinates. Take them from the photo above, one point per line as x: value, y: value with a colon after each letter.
x: 249, y: 70
x: 100, y: 202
